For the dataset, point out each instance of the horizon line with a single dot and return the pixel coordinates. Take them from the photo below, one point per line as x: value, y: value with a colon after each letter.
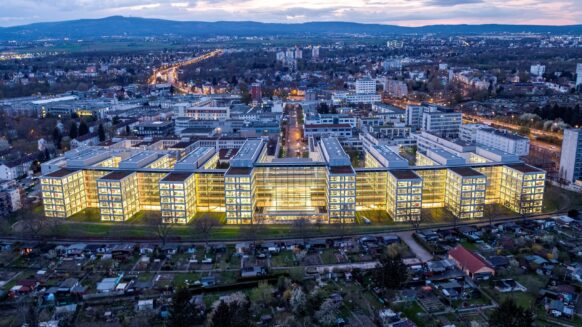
x: 284, y: 23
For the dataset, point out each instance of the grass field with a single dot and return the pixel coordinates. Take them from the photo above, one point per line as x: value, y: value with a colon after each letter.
x: 87, y: 223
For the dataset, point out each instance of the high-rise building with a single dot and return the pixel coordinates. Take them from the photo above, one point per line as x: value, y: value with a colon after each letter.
x: 365, y: 85
x: 537, y: 70
x: 394, y: 88
x: 315, y: 52
x: 298, y: 53
x: 578, y: 75
x: 571, y: 158
x: 256, y: 93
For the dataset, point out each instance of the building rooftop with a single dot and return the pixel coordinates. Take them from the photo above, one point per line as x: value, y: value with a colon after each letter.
x: 466, y: 171
x: 334, y: 152
x: 181, y: 145
x: 248, y: 153
x: 176, y: 177
x: 404, y: 174
x: 195, y: 158
x: 341, y: 170
x: 117, y: 175
x: 329, y: 126
x: 239, y: 171
x: 61, y: 173
x: 387, y: 157
x: 521, y: 167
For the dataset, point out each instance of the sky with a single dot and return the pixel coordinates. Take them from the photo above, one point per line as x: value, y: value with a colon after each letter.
x: 398, y: 12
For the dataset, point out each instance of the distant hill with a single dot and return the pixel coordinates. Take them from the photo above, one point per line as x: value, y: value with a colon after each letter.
x: 140, y: 27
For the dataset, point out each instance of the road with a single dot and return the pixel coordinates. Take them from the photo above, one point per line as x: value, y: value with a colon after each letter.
x: 420, y: 252
x: 169, y: 73
x: 294, y: 145
x: 514, y: 127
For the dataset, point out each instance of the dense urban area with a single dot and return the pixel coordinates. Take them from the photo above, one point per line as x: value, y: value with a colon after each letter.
x: 292, y: 180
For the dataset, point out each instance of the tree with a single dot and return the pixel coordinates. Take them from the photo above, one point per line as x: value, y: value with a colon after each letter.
x: 298, y: 300
x: 230, y: 311
x: 160, y: 228
x: 182, y: 312
x: 73, y: 131
x: 300, y: 227
x: 262, y: 295
x: 391, y: 273
x: 101, y: 132
x: 57, y: 138
x: 326, y: 315
x: 83, y: 128
x: 127, y: 130
x: 205, y: 225
x: 509, y: 314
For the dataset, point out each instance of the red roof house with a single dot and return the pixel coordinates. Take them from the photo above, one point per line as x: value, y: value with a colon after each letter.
x: 470, y: 263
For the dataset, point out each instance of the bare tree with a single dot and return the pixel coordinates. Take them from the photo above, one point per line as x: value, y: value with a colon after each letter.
x: 156, y: 224
x: 252, y: 232
x: 204, y: 226
x: 300, y: 226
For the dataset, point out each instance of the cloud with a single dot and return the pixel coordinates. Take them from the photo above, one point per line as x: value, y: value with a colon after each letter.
x: 452, y: 3
x: 403, y: 12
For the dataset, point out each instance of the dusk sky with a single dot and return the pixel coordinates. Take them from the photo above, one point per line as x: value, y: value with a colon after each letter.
x: 399, y: 12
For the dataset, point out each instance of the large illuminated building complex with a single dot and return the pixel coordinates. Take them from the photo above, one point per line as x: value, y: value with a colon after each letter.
x: 182, y: 178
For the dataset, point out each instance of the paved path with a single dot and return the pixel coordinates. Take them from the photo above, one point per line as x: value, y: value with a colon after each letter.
x: 416, y: 248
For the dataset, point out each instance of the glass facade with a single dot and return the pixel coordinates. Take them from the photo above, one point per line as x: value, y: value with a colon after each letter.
x: 277, y: 193
x: 286, y: 193
x: 239, y: 195
x: 522, y: 190
x: 118, y: 196
x: 404, y: 201
x: 63, y: 194
x: 465, y: 193
x: 177, y: 198
x: 149, y: 191
x: 91, y: 177
x: 210, y: 191
x: 433, y: 187
x: 493, y: 174
x: 341, y: 196
x: 371, y: 190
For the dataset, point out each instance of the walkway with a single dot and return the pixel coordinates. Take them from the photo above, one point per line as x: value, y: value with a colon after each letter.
x: 420, y: 252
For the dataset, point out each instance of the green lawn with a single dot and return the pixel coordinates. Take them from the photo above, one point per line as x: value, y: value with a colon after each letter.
x: 283, y: 259
x: 556, y: 198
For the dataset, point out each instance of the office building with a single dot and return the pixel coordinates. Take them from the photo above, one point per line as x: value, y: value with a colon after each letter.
x: 180, y: 179
x: 315, y: 52
x: 578, y: 75
x: 256, y: 93
x: 571, y: 158
x: 365, y: 85
x: 396, y: 89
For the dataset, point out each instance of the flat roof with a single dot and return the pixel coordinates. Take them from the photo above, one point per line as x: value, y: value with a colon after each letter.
x: 334, y: 152
x: 176, y: 177
x: 341, y: 170
x: 61, y: 173
x: 117, y: 175
x: 465, y: 171
x: 388, y: 155
x: 404, y: 174
x: 181, y: 145
x: 521, y: 167
x: 239, y: 171
x: 248, y: 153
